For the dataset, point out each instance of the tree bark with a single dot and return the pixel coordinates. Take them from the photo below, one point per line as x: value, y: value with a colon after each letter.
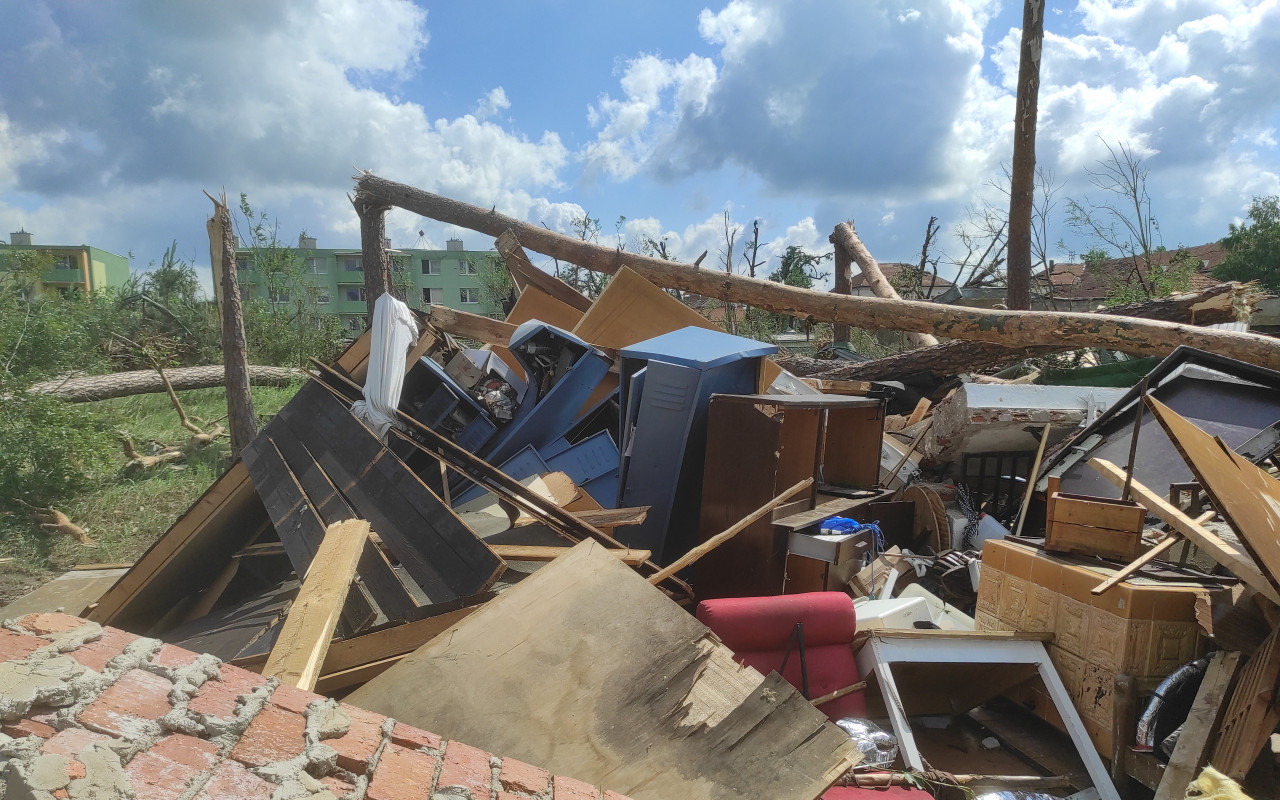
x: 90, y: 388
x: 843, y: 285
x: 242, y: 423
x: 1011, y: 328
x: 844, y: 237
x: 1226, y: 302
x: 1023, y: 175
x: 374, y: 258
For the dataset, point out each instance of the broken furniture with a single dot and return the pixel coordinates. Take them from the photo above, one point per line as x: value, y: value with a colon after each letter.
x: 584, y: 663
x: 757, y: 445
x: 665, y: 385
x: 1141, y: 628
x: 918, y: 673
x: 806, y: 638
x: 1093, y: 525
x: 1238, y: 402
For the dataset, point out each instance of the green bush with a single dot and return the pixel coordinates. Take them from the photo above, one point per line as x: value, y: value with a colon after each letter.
x: 49, y: 450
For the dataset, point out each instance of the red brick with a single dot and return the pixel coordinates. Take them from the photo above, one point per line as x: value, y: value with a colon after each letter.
x: 27, y: 727
x: 570, y: 789
x: 71, y: 741
x: 50, y: 622
x: 173, y: 657
x: 76, y: 770
x: 468, y: 767
x: 97, y: 653
x: 219, y: 698
x: 403, y: 774
x: 291, y: 698
x: 46, y: 714
x: 137, y: 695
x: 414, y: 738
x: 517, y: 776
x: 14, y: 646
x: 182, y: 749
x: 157, y: 778
x: 337, y: 786
x: 356, y: 747
x: 274, y: 735
x: 231, y: 780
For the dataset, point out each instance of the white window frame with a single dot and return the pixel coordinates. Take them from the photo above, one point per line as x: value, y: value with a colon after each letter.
x: 430, y: 266
x: 468, y: 291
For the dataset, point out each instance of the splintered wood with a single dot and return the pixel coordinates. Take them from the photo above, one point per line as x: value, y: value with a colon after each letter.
x: 586, y: 669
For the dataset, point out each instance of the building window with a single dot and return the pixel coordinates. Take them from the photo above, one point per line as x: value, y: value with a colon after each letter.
x: 467, y: 268
x: 469, y: 294
x: 323, y: 298
x: 279, y: 297
x: 244, y: 263
x: 64, y: 262
x: 355, y: 324
x: 355, y: 294
x: 317, y: 265
x: 352, y: 265
x: 433, y: 297
x: 430, y: 267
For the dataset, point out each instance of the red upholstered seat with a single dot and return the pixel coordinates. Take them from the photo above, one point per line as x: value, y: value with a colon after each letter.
x: 757, y: 630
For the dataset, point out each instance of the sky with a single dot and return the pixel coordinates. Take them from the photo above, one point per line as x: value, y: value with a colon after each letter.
x: 654, y: 118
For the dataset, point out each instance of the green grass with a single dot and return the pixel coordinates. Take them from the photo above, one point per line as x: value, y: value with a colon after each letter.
x: 124, y: 515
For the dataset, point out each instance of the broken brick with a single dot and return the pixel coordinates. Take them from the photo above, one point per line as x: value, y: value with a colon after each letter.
x: 357, y: 746
x: 136, y: 697
x: 14, y: 646
x: 404, y: 773
x: 96, y: 654
x: 231, y: 779
x: 468, y: 767
x: 571, y: 789
x: 414, y: 738
x: 274, y: 735
x: 50, y: 622
x: 220, y: 698
x: 71, y: 741
x: 517, y: 776
x: 27, y: 727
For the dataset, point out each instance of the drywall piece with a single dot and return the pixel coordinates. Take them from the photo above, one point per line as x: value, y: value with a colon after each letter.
x: 992, y: 418
x: 961, y: 658
x: 585, y: 663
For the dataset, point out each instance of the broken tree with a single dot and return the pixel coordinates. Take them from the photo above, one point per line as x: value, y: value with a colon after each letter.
x: 1010, y: 328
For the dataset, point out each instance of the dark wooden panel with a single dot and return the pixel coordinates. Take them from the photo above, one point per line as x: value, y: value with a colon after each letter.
x: 444, y: 556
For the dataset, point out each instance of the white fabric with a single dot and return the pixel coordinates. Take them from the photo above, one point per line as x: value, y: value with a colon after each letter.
x: 394, y: 332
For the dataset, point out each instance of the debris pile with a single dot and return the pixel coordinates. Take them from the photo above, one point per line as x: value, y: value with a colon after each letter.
x: 608, y: 539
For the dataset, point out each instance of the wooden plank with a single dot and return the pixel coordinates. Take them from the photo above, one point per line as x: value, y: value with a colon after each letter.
x: 1252, y: 713
x: 612, y: 517
x: 536, y: 304
x: 187, y: 557
x: 375, y: 572
x: 1064, y: 537
x: 1246, y: 496
x: 1225, y: 553
x: 471, y: 326
x: 1192, y: 750
x: 520, y: 266
x: 848, y: 388
x: 658, y: 708
x: 522, y: 552
x: 1138, y: 563
x: 1098, y: 512
x: 300, y: 648
x: 839, y: 507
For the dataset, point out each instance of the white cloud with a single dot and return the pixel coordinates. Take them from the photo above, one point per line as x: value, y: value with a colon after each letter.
x: 495, y: 101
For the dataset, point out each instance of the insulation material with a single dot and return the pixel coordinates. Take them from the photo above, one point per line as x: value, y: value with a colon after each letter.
x: 394, y: 332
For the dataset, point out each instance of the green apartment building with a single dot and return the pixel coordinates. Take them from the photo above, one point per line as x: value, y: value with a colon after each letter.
x: 79, y: 266
x: 448, y: 277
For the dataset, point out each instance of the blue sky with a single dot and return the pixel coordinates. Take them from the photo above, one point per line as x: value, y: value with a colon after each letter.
x: 115, y: 115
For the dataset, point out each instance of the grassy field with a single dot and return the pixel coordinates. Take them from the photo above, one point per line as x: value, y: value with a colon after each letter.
x: 124, y: 515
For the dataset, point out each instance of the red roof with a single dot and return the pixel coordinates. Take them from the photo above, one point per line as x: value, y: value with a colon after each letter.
x: 892, y: 269
x: 1095, y: 284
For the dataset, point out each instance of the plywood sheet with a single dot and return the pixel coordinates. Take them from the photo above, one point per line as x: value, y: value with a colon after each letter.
x: 585, y: 669
x: 1246, y: 495
x: 71, y: 592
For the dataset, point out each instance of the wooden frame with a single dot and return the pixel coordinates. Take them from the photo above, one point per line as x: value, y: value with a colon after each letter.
x: 886, y: 648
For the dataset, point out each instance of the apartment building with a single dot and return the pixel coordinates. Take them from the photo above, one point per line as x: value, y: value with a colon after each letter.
x: 75, y: 267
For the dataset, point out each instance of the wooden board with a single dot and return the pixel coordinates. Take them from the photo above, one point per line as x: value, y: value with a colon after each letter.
x: 71, y: 592
x: 1246, y: 496
x: 1192, y: 750
x: 585, y: 669
x: 300, y: 648
x: 1225, y: 553
x: 522, y: 552
x: 527, y: 276
x: 1098, y: 512
x: 537, y: 304
x: 1252, y: 713
x: 1064, y: 537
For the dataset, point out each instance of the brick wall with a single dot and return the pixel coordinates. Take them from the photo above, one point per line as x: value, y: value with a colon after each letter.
x: 93, y: 712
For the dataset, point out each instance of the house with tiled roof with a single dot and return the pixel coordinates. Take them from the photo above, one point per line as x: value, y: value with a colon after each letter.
x: 1087, y: 288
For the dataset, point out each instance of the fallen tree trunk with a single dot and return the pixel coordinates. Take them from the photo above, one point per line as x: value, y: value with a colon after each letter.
x: 147, y: 381
x: 1225, y: 302
x: 1010, y: 328
x: 845, y: 238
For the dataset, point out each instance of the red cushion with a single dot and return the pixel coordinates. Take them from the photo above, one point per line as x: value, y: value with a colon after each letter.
x: 757, y: 630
